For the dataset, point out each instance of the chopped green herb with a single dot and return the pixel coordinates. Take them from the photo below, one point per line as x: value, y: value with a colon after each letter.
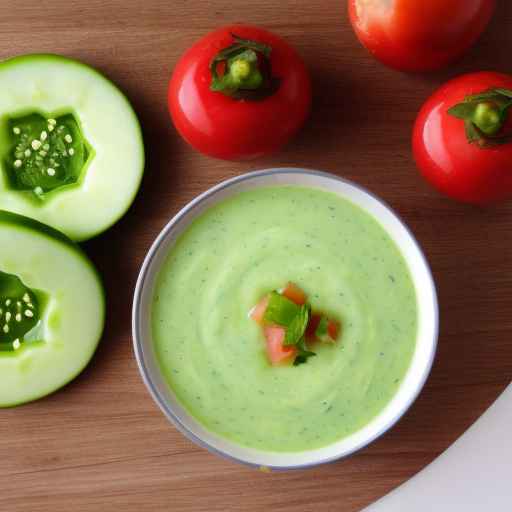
x: 297, y: 328
x: 292, y: 321
x: 303, y: 353
x: 280, y: 310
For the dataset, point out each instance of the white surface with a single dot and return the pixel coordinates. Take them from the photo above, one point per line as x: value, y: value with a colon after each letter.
x: 473, y: 475
x: 427, y: 320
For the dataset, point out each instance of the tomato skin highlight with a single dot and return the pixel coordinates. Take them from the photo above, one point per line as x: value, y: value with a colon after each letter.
x: 276, y: 350
x: 231, y: 129
x: 419, y: 35
x: 462, y: 171
x: 258, y: 311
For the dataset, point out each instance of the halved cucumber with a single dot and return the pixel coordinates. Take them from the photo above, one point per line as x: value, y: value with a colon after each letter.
x: 52, y: 309
x: 71, y: 150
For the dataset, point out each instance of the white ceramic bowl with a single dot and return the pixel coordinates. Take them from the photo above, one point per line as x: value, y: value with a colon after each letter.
x: 412, y: 383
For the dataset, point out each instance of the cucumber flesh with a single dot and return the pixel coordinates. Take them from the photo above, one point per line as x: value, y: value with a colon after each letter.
x: 46, y: 348
x: 71, y: 149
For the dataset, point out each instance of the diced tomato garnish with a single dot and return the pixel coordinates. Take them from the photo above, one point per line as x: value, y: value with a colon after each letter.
x: 333, y: 329
x: 313, y: 324
x: 295, y: 294
x: 276, y: 350
x: 258, y: 311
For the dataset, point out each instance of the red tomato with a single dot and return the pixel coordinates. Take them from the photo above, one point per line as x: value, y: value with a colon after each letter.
x: 295, y: 294
x: 313, y: 324
x: 333, y: 329
x: 419, y: 35
x: 276, y: 350
x: 235, y: 129
x: 460, y: 169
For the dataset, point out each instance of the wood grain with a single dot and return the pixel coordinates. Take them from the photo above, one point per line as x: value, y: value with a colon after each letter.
x: 101, y: 443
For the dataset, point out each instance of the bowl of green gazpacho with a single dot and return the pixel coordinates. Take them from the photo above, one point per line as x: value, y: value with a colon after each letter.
x: 285, y: 318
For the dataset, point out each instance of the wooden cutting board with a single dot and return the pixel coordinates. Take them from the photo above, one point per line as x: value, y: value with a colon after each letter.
x: 101, y: 444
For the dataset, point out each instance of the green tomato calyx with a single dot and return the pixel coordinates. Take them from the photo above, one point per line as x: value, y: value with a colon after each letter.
x: 243, y: 71
x: 485, y: 115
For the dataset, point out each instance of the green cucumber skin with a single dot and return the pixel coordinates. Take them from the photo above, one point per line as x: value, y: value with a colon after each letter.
x: 14, y: 219
x: 31, y: 57
x: 29, y: 224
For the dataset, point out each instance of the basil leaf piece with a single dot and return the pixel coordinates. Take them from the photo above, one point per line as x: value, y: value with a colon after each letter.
x: 297, y: 328
x: 303, y: 353
x: 280, y: 310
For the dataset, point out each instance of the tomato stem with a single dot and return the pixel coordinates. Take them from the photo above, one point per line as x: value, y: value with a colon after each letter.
x: 485, y: 115
x: 487, y: 118
x: 246, y: 70
x: 245, y: 74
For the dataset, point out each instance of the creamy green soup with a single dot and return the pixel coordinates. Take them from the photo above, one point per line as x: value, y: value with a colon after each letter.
x: 213, y: 356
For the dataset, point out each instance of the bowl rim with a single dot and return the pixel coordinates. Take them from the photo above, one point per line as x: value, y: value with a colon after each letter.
x: 137, y: 334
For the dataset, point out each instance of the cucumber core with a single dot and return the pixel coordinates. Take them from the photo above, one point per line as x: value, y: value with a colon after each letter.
x: 46, y: 152
x: 20, y: 313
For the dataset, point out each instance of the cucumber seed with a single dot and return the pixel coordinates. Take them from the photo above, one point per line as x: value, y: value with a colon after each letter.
x: 28, y: 152
x: 16, y: 130
x: 18, y: 317
x: 50, y: 171
x: 16, y: 344
x: 17, y: 163
x: 68, y: 138
x: 6, y: 328
x: 44, y: 136
x: 29, y: 313
x: 71, y: 151
x: 8, y: 317
x: 26, y: 297
x: 36, y: 144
